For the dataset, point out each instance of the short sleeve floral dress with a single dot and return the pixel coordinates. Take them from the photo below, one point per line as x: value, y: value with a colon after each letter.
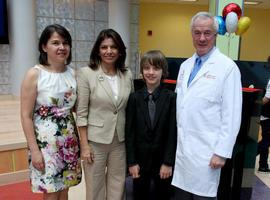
x: 56, y: 132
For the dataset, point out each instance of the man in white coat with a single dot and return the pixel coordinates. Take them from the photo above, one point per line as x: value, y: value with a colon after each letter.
x: 209, y: 106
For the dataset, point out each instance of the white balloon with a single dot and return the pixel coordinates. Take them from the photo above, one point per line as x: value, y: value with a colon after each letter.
x: 231, y: 22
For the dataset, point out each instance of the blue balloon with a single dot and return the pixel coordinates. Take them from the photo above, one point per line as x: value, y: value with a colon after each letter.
x: 221, y: 25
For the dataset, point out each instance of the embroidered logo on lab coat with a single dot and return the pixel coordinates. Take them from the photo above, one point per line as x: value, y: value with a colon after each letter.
x: 209, y: 76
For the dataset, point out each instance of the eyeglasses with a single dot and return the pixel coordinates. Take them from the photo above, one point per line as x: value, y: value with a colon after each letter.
x: 206, y: 34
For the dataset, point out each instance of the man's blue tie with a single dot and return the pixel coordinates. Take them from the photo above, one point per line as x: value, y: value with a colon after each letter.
x: 196, y: 68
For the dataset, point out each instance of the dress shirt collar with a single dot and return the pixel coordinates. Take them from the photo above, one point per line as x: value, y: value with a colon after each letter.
x: 155, y: 94
x: 206, y: 56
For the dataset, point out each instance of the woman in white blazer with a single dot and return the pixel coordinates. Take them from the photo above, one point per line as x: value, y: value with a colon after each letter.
x: 208, y: 114
x: 103, y: 90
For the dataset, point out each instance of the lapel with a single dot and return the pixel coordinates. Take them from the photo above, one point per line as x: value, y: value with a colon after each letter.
x: 206, y: 67
x: 121, y: 87
x: 187, y: 72
x: 105, y: 85
x: 144, y: 105
x: 159, y: 105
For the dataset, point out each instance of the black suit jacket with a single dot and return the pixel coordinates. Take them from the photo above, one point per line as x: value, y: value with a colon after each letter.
x: 146, y: 146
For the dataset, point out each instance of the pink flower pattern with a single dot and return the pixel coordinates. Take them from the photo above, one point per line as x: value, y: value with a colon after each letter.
x: 59, y: 143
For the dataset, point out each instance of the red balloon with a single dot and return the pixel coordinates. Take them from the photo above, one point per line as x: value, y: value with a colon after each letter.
x: 232, y: 7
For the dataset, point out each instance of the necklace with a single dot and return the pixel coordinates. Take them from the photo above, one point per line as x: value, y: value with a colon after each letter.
x: 110, y: 72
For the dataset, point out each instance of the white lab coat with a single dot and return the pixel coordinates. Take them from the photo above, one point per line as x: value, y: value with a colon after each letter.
x: 208, y: 121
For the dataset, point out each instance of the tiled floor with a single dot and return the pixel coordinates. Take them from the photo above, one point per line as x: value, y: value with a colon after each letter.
x: 265, y: 178
x: 261, y: 189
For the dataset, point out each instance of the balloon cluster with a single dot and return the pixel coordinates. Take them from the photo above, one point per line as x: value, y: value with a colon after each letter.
x: 232, y: 21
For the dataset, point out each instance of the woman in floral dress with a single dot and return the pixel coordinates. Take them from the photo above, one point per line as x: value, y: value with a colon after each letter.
x: 48, y: 95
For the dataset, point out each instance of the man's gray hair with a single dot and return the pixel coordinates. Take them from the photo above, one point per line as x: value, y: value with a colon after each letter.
x: 204, y: 15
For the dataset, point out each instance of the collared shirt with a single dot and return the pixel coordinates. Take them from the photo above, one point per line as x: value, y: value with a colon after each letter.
x: 114, y: 85
x: 206, y: 56
x: 155, y: 94
x: 150, y: 99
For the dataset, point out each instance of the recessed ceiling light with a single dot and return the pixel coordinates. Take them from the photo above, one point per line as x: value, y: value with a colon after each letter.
x: 252, y: 2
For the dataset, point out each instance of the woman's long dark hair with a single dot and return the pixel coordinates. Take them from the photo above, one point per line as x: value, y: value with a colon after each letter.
x: 95, y: 59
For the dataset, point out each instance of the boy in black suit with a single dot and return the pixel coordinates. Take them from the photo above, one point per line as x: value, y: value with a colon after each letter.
x: 150, y: 133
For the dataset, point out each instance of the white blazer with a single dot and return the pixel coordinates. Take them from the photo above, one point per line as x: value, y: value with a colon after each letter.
x: 208, y: 121
x: 96, y: 106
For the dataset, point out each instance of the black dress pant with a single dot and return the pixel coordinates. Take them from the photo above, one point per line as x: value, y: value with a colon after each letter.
x: 184, y: 195
x: 263, y: 145
x: 151, y: 187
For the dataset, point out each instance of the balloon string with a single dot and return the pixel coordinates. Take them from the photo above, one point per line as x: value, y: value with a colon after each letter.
x: 229, y: 43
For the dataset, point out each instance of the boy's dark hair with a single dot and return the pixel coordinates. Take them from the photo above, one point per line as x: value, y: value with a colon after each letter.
x: 95, y: 58
x: 157, y: 59
x: 46, y: 35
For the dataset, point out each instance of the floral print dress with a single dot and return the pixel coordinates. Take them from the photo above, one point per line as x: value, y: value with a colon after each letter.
x: 56, y: 132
